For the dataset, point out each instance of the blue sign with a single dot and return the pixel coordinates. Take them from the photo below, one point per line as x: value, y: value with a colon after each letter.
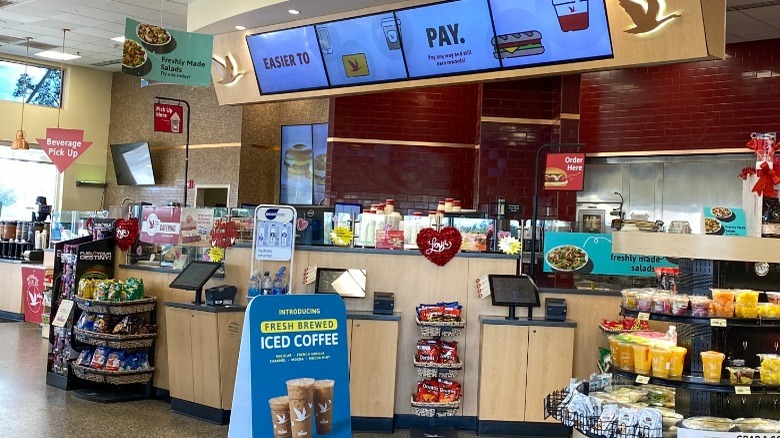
x: 448, y: 38
x: 287, y: 60
x: 363, y: 49
x: 585, y: 253
x: 551, y: 31
x: 725, y: 221
x: 293, y: 373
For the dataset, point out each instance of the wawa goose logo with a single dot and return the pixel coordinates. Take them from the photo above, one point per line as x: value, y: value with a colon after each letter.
x: 648, y: 15
x: 227, y: 69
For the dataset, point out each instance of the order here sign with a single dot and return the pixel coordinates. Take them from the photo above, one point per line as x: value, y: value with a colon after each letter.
x: 64, y: 146
x: 564, y: 172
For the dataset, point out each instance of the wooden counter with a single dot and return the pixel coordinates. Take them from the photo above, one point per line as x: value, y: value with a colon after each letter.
x: 11, y: 299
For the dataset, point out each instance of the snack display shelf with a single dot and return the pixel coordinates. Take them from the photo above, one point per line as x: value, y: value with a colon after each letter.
x: 438, y: 365
x: 435, y: 329
x: 422, y: 409
x: 112, y: 377
x: 116, y: 307
x: 698, y: 383
x: 113, y: 340
x: 730, y: 322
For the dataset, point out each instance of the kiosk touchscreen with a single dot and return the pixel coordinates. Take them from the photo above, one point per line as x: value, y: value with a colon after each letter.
x: 513, y: 291
x: 194, y: 277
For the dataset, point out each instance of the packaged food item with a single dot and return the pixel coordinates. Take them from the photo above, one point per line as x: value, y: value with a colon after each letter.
x: 659, y: 396
x: 428, y: 350
x: 712, y: 362
x: 147, y: 329
x: 101, y: 323
x: 86, y: 321
x: 746, y: 311
x: 642, y: 359
x: 700, y: 306
x: 113, y: 360
x: 143, y: 361
x: 625, y: 394
x: 430, y: 312
x: 626, y: 423
x: 741, y: 375
x: 661, y: 358
x: 758, y: 425
x: 451, y: 312
x: 714, y: 424
x: 625, y: 356
x: 747, y: 297
x: 607, y: 419
x: 644, y: 301
x: 670, y: 417
x: 134, y: 288
x: 630, y: 299
x: 128, y: 326
x: 649, y: 423
x: 449, y: 391
x: 677, y: 361
x: 99, y: 358
x: 662, y: 303
x: 768, y: 310
x: 770, y: 369
x: 680, y: 305
x: 448, y: 352
x: 773, y: 297
x: 85, y: 357
x: 101, y: 289
x: 116, y: 291
x: 86, y: 288
x: 427, y: 391
x: 722, y: 304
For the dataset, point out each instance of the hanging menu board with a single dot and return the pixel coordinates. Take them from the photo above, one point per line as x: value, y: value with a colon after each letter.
x: 441, y: 39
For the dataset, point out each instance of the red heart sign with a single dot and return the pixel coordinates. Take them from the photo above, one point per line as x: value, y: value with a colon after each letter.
x: 126, y: 232
x: 439, y: 246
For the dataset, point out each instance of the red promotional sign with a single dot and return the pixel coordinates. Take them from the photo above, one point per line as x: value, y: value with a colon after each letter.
x: 168, y: 118
x: 161, y: 225
x: 63, y: 146
x: 32, y: 291
x: 564, y: 172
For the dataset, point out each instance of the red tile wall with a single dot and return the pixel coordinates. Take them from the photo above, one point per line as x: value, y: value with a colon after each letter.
x: 695, y: 105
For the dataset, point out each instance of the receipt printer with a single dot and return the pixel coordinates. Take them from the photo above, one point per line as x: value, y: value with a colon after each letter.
x: 220, y: 295
x: 384, y: 303
x: 555, y: 309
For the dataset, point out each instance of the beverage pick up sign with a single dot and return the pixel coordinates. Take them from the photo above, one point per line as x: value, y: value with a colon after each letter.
x: 293, y: 374
x: 63, y: 146
x: 564, y: 172
x: 168, y: 118
x: 165, y: 55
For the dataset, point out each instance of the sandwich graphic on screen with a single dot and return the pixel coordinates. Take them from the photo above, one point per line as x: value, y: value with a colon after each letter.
x: 555, y: 177
x: 513, y: 45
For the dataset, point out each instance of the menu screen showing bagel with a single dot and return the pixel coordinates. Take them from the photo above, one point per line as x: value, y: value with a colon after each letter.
x: 287, y: 60
x: 564, y: 172
x: 549, y: 32
x: 303, y: 167
x: 439, y: 39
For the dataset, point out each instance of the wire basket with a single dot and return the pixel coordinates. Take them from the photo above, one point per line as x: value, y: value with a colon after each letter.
x: 117, y: 307
x: 112, y: 377
x: 435, y: 329
x: 437, y: 372
x: 114, y: 341
x: 422, y: 409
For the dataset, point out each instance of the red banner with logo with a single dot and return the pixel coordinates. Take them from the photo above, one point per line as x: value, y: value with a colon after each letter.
x: 168, y: 118
x: 161, y: 225
x: 32, y: 291
x: 63, y: 146
x: 564, y: 172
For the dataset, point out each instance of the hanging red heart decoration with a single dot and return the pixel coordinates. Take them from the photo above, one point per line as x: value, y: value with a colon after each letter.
x: 439, y: 246
x: 126, y: 231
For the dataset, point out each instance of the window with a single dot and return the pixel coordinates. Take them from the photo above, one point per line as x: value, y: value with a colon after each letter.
x: 42, y: 86
x: 25, y: 175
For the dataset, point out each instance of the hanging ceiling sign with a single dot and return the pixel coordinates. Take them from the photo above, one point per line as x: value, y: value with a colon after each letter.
x: 64, y: 146
x: 168, y: 118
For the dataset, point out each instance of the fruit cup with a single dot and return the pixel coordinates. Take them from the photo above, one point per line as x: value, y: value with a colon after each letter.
x: 642, y: 360
x: 677, y: 361
x: 626, y: 356
x: 712, y: 362
x: 661, y: 358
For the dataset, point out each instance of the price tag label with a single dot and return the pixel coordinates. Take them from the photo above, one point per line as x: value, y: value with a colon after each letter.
x: 63, y: 313
x: 643, y: 380
x: 742, y: 390
x: 642, y: 316
x: 718, y: 322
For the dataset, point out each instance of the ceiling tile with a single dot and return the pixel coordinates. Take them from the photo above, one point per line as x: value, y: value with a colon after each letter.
x: 737, y: 17
x: 733, y: 39
x: 26, y: 9
x: 126, y: 9
x: 774, y: 23
x: 53, y: 5
x: 168, y: 20
x: 764, y: 13
x: 79, y: 20
x: 99, y: 33
x: 155, y: 4
x: 41, y: 30
x: 756, y: 27
x: 6, y: 22
x: 58, y: 25
x: 7, y: 15
x: 115, y: 28
x: 101, y: 14
x: 90, y: 3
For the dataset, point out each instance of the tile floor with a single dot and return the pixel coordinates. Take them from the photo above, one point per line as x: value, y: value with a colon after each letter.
x: 31, y: 409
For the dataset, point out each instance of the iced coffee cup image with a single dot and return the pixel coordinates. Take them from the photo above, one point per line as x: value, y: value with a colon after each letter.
x: 323, y: 405
x: 301, y: 395
x: 280, y: 416
x: 572, y: 14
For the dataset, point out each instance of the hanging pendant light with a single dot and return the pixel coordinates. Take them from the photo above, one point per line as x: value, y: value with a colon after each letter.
x: 20, y: 142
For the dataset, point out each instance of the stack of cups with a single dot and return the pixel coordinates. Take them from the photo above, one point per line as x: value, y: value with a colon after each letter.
x: 292, y: 414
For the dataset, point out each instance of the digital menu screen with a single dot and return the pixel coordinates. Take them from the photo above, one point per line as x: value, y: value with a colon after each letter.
x: 533, y: 33
x: 447, y: 38
x: 287, y: 60
x: 304, y: 164
x: 363, y: 49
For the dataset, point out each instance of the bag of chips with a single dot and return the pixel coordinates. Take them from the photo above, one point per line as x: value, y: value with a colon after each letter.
x: 449, y: 391
x: 428, y: 350
x: 430, y: 312
x: 101, y: 289
x: 147, y: 329
x: 134, y: 288
x: 99, y: 358
x: 85, y: 357
x: 101, y: 323
x: 427, y: 391
x: 86, y: 288
x: 127, y: 326
x: 116, y: 291
x: 449, y: 352
x: 114, y: 360
x: 451, y: 312
x: 86, y: 321
x: 143, y: 361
